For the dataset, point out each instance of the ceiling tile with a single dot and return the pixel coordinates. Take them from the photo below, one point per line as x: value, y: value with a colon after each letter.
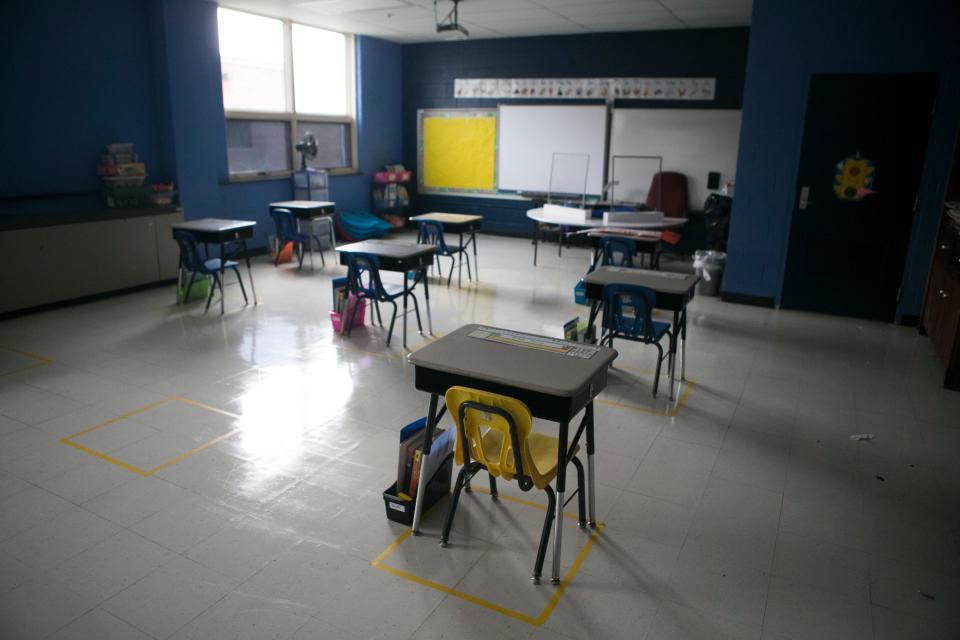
x: 342, y: 7
x: 714, y: 17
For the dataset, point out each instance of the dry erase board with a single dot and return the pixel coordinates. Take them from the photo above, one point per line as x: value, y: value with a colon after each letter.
x: 693, y: 142
x: 456, y: 151
x: 570, y: 139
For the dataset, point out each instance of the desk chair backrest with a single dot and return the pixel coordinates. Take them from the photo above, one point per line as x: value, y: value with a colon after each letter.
x: 628, y: 310
x: 668, y: 193
x: 285, y: 223
x: 494, y: 430
x: 431, y: 232
x: 190, y: 256
x: 363, y: 276
x: 616, y: 251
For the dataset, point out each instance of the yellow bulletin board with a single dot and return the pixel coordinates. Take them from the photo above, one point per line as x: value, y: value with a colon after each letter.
x: 456, y: 151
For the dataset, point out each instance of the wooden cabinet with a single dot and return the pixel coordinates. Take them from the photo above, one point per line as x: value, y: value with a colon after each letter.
x: 940, y: 317
x: 40, y: 265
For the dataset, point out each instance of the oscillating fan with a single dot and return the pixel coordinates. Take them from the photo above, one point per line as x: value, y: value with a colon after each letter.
x: 307, y: 148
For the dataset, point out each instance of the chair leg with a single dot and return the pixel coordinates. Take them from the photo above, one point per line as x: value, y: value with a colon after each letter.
x: 656, y: 375
x: 581, y: 496
x: 216, y: 282
x: 276, y: 251
x: 193, y: 277
x: 353, y: 313
x: 323, y: 261
x: 300, y: 255
x: 493, y: 488
x: 453, y: 263
x: 376, y: 307
x: 240, y: 281
x: 461, y: 478
x: 393, y: 320
x: 469, y: 272
x: 545, y: 534
x: 310, y: 249
x: 416, y: 311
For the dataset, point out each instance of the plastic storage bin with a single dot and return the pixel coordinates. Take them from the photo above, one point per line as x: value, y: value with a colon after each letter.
x: 400, y: 510
x: 337, y: 320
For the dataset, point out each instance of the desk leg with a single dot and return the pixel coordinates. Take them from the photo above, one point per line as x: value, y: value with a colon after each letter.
x: 246, y: 255
x: 473, y: 241
x: 179, y: 280
x: 561, y: 489
x: 591, y: 474
x: 460, y: 263
x: 595, y: 306
x: 422, y: 482
x: 674, y: 339
x: 426, y: 295
x: 405, y: 290
x: 223, y: 259
x: 536, y: 232
x: 683, y: 344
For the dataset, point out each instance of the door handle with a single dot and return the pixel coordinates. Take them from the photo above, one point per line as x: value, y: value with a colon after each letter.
x: 804, y: 199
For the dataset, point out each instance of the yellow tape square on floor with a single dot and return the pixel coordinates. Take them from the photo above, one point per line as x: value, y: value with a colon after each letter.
x: 71, y: 440
x: 552, y: 593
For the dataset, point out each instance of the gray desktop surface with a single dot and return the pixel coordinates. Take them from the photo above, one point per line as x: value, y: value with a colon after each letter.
x: 659, y: 281
x: 387, y: 249
x: 511, y: 365
x: 214, y: 225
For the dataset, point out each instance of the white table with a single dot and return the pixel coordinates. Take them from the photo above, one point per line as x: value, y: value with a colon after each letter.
x: 541, y: 218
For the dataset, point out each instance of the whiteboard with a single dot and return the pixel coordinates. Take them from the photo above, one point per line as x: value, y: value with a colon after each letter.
x: 693, y: 142
x: 571, y: 138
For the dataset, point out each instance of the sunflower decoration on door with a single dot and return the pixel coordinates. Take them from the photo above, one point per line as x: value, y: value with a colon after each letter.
x: 854, y: 177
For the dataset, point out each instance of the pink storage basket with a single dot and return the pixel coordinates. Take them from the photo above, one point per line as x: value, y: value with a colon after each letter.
x: 337, y: 320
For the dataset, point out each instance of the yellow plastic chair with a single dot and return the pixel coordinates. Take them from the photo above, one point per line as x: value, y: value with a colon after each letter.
x: 494, y: 433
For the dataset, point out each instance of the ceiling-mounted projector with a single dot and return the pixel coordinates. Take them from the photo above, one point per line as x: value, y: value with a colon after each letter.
x: 450, y: 27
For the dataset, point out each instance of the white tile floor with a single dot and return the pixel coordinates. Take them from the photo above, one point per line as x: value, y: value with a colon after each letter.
x: 748, y: 514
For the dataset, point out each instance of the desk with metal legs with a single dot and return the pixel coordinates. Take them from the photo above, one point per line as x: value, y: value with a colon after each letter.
x: 555, y: 379
x: 458, y: 223
x: 399, y: 257
x: 223, y: 233
x: 674, y: 291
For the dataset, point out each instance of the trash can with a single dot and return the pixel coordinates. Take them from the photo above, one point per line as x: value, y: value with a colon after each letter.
x: 709, y: 266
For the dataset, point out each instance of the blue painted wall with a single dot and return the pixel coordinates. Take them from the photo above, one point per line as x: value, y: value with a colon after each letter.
x: 789, y: 41
x: 429, y: 71
x: 148, y: 72
x: 75, y: 76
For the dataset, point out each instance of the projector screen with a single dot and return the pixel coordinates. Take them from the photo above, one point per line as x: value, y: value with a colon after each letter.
x: 570, y: 139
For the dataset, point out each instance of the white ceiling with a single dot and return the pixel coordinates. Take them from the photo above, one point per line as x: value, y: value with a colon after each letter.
x: 413, y: 20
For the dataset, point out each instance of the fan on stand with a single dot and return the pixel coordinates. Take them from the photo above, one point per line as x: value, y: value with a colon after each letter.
x: 307, y: 148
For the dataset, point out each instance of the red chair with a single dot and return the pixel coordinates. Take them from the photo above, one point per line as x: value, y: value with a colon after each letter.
x: 668, y: 193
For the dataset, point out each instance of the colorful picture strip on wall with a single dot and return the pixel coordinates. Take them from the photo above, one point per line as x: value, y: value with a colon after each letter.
x: 587, y: 88
x: 457, y: 151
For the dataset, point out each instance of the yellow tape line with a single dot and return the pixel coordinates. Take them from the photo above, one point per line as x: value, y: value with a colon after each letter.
x: 41, y: 360
x: 480, y: 602
x: 69, y: 440
x: 691, y: 382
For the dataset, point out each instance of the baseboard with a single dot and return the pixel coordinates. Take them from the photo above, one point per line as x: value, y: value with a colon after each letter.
x: 6, y: 315
x: 910, y: 321
x: 744, y: 298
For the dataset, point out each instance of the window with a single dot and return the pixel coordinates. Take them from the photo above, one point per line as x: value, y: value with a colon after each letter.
x: 281, y: 80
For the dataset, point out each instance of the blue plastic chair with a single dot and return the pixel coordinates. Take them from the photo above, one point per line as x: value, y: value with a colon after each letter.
x: 192, y: 260
x: 287, y: 231
x: 431, y: 232
x: 363, y: 281
x: 628, y: 315
x: 617, y: 251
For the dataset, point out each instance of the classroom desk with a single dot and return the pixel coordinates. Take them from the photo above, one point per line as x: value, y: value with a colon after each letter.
x: 674, y: 291
x: 554, y: 385
x: 647, y: 242
x: 542, y: 219
x: 308, y: 210
x: 223, y: 233
x: 458, y: 223
x: 399, y: 257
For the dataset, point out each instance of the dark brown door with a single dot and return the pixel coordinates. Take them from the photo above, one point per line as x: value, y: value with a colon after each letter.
x: 860, y: 164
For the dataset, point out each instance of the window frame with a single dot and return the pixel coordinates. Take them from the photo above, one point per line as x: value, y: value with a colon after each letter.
x: 290, y: 114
